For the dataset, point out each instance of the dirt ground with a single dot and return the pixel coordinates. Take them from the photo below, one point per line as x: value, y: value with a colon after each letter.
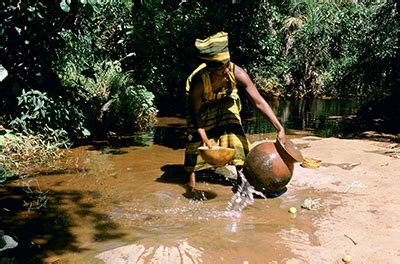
x: 359, y: 182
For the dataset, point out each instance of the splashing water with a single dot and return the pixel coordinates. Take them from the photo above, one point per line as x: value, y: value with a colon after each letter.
x: 243, y: 196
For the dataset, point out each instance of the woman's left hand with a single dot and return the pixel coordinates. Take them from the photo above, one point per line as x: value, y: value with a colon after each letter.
x: 281, y: 136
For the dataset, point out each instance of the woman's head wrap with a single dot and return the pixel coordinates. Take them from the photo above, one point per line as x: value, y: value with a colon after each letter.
x: 214, y: 48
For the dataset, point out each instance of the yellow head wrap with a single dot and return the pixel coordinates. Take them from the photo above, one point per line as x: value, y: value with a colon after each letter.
x: 214, y: 48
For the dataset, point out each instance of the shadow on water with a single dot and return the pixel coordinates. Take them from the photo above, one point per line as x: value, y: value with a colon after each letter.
x: 172, y: 173
x: 47, y: 232
x: 171, y: 136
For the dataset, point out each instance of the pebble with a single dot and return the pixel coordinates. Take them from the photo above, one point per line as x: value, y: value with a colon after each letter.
x: 346, y: 258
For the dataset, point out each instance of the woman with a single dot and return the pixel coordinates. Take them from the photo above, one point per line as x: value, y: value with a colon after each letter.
x: 214, y: 105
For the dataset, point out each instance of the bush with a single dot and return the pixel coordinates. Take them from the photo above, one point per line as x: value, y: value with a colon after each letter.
x: 50, y: 117
x: 112, y: 102
x: 105, y: 92
x: 28, y: 33
x: 132, y: 109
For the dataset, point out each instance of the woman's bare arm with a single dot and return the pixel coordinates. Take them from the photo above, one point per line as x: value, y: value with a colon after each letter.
x: 195, y: 95
x: 243, y: 79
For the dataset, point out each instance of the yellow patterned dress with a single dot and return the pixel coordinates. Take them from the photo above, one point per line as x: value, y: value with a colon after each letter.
x: 220, y: 113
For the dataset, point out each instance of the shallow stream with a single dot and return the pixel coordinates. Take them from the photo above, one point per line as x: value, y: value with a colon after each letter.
x: 125, y: 201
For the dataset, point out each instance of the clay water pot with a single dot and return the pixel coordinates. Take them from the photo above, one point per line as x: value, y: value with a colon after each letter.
x: 269, y: 165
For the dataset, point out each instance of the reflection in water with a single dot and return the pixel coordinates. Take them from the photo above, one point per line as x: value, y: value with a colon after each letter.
x: 320, y: 117
x: 170, y: 136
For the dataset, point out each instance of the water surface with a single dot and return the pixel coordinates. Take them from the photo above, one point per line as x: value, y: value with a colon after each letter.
x: 128, y: 195
x: 318, y: 117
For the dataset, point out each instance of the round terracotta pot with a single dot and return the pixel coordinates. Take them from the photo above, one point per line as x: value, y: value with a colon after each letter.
x: 269, y: 165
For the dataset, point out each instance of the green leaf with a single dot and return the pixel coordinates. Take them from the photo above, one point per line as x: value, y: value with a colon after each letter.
x: 39, y: 15
x: 3, y: 73
x: 64, y: 6
x: 88, y: 10
x: 86, y: 132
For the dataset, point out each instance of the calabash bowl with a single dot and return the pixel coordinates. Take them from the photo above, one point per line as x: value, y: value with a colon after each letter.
x: 217, y: 156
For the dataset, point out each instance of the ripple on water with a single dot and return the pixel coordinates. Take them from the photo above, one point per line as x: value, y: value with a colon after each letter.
x: 172, y: 212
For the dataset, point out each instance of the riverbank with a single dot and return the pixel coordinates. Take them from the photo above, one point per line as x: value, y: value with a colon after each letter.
x: 127, y: 205
x: 358, y: 191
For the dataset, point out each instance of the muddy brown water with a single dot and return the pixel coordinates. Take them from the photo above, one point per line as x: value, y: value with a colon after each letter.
x: 114, y: 203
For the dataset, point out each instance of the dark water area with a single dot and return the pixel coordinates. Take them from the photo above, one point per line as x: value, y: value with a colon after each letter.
x: 317, y: 117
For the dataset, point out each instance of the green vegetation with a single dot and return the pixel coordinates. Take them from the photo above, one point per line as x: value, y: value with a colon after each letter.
x: 83, y: 68
x: 22, y: 153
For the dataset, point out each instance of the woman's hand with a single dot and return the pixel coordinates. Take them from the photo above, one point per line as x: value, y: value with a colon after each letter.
x: 208, y: 144
x: 281, y: 136
x: 204, y: 138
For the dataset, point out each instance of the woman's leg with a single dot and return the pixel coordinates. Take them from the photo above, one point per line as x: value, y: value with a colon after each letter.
x: 192, y: 181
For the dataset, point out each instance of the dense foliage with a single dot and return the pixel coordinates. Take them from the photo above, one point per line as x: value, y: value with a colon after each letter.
x: 84, y: 68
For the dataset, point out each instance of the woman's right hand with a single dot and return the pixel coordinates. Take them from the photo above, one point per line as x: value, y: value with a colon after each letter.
x: 208, y: 144
x: 204, y: 138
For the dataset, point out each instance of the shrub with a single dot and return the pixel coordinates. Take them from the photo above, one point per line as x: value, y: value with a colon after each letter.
x: 112, y: 102
x: 51, y: 117
x: 133, y: 109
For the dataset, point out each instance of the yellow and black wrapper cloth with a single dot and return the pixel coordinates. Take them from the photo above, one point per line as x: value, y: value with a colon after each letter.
x: 220, y: 114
